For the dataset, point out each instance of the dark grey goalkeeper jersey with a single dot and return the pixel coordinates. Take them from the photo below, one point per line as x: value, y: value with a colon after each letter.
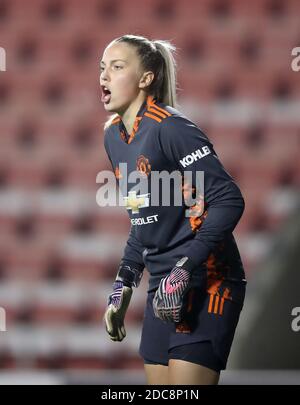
x: 163, y: 139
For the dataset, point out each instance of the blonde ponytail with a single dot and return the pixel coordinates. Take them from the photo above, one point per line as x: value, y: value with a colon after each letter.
x: 167, y: 92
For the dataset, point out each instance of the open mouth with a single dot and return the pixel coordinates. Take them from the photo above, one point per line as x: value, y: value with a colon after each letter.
x: 106, y: 94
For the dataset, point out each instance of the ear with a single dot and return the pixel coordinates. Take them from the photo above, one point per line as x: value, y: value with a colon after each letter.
x: 146, y: 79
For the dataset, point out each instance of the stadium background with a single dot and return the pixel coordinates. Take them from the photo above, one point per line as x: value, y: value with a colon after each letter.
x: 59, y: 251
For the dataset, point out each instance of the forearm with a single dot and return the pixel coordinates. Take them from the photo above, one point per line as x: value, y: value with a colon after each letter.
x: 133, y: 252
x: 220, y: 221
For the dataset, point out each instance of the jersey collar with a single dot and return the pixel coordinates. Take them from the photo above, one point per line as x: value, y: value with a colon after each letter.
x: 123, y: 132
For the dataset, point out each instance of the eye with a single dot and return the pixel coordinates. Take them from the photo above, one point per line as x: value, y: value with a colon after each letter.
x: 118, y: 66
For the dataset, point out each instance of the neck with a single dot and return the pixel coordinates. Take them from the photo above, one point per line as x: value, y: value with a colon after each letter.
x: 129, y: 115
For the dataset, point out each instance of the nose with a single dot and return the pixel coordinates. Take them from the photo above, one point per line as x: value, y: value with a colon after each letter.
x: 103, y: 75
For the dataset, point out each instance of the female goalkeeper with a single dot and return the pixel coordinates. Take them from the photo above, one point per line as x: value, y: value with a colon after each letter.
x: 197, y: 285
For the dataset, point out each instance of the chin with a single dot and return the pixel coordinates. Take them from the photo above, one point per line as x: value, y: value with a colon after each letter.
x: 109, y: 108
x: 113, y: 109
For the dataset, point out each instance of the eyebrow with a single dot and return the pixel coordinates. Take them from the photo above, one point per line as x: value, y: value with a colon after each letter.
x: 115, y: 60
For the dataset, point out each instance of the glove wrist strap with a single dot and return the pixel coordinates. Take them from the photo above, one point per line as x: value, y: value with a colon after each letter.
x: 129, y: 275
x: 186, y: 263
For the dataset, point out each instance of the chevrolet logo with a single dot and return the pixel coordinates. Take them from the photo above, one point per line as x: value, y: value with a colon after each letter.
x: 134, y: 202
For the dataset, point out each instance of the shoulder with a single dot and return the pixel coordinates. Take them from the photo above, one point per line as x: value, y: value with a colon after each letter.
x: 111, y: 125
x: 177, y: 118
x: 108, y: 137
x: 166, y: 116
x: 178, y: 127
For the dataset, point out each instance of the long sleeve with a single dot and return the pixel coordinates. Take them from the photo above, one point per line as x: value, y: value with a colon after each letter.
x: 188, y: 149
x: 133, y: 252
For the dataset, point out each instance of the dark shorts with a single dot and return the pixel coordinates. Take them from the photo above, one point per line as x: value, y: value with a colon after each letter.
x: 204, y: 336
